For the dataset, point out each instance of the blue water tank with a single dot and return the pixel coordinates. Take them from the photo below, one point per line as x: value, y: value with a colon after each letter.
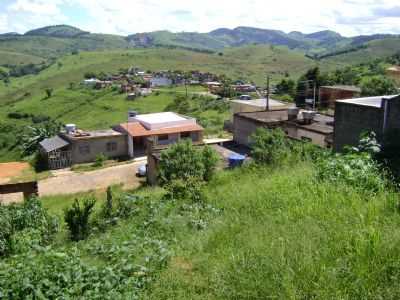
x: 236, y: 160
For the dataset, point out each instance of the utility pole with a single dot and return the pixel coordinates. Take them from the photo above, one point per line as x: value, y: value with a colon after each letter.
x: 267, y: 99
x: 315, y: 94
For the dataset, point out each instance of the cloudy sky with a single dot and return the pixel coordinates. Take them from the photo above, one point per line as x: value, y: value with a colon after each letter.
x: 349, y: 17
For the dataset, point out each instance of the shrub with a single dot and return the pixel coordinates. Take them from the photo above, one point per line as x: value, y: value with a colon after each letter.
x: 49, y: 92
x: 357, y: 167
x: 210, y: 160
x: 190, y: 189
x: 100, y: 160
x: 26, y: 225
x: 183, y: 170
x: 180, y: 161
x: 77, y: 219
x: 269, y: 146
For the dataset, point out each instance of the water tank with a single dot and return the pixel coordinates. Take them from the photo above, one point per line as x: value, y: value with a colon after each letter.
x: 70, y: 128
x: 236, y: 160
x: 132, y: 114
x: 292, y: 113
x: 308, y: 116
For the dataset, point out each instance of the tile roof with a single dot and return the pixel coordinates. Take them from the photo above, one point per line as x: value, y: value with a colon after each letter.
x: 136, y: 129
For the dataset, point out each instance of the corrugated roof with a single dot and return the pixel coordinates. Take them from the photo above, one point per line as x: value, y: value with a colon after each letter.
x: 53, y: 143
x: 136, y: 129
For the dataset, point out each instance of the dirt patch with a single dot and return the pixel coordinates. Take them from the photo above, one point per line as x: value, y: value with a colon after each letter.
x: 9, y: 170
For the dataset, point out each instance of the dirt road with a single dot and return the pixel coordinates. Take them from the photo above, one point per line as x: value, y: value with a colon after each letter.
x: 68, y: 182
x: 9, y: 170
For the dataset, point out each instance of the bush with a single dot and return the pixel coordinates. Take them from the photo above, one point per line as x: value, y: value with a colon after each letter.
x: 210, y: 160
x: 100, y: 160
x: 24, y: 226
x: 77, y: 219
x: 377, y: 85
x: 180, y: 161
x: 184, y: 169
x: 269, y: 146
x: 356, y: 168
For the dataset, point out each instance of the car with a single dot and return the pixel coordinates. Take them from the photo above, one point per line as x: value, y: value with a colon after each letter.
x: 142, y: 171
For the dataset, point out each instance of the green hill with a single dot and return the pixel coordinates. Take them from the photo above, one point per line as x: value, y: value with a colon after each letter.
x: 62, y: 31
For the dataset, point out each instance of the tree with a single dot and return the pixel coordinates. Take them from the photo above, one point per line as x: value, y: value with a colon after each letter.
x: 377, y: 86
x: 35, y: 134
x: 269, y: 146
x: 286, y: 87
x: 181, y: 161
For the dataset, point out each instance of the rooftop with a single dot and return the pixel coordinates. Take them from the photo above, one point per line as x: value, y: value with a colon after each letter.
x: 136, y: 129
x: 162, y: 120
x: 321, y: 123
x: 53, y: 143
x: 81, y: 134
x: 261, y: 103
x: 350, y: 88
x: 369, y: 101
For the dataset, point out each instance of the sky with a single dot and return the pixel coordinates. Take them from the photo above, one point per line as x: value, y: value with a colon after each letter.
x: 348, y: 17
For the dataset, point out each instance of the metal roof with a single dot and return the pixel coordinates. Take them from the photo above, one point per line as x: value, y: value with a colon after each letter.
x: 369, y: 101
x: 53, y: 143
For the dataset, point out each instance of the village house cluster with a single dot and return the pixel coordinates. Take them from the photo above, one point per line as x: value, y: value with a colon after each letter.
x: 145, y: 134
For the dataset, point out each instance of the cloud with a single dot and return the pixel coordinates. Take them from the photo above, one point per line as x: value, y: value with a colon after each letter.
x: 393, y: 12
x: 349, y: 17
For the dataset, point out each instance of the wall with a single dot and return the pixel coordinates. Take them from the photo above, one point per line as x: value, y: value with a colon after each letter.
x: 328, y: 96
x: 243, y: 128
x: 352, y: 120
x: 393, y: 114
x: 97, y: 146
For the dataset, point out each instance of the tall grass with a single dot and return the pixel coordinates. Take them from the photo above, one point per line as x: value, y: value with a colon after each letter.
x: 285, y: 236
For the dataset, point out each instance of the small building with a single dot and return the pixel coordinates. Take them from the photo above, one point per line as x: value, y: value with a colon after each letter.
x: 238, y: 106
x: 299, y: 125
x: 244, y: 88
x: 158, y: 81
x: 158, y: 129
x: 355, y: 116
x: 77, y: 146
x: 214, y: 87
x: 329, y: 94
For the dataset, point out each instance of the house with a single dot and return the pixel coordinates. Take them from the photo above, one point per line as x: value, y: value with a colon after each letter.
x: 244, y: 88
x: 158, y: 129
x: 214, y: 87
x: 241, y: 105
x: 300, y: 125
x: 158, y: 81
x: 355, y: 116
x: 329, y: 94
x: 74, y: 146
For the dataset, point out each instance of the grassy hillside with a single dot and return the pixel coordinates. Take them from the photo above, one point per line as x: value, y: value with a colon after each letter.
x: 263, y: 234
x: 373, y: 50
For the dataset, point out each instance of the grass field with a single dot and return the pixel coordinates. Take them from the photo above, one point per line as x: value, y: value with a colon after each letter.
x: 273, y: 233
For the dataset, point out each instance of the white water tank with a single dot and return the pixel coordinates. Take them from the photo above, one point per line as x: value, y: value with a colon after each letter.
x: 70, y: 128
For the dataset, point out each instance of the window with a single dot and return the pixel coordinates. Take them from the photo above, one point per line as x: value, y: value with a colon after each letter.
x: 84, y: 150
x: 185, y: 135
x: 163, y: 138
x: 111, y: 146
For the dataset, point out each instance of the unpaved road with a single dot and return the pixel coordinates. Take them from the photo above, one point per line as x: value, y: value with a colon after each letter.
x: 9, y: 170
x: 68, y: 182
